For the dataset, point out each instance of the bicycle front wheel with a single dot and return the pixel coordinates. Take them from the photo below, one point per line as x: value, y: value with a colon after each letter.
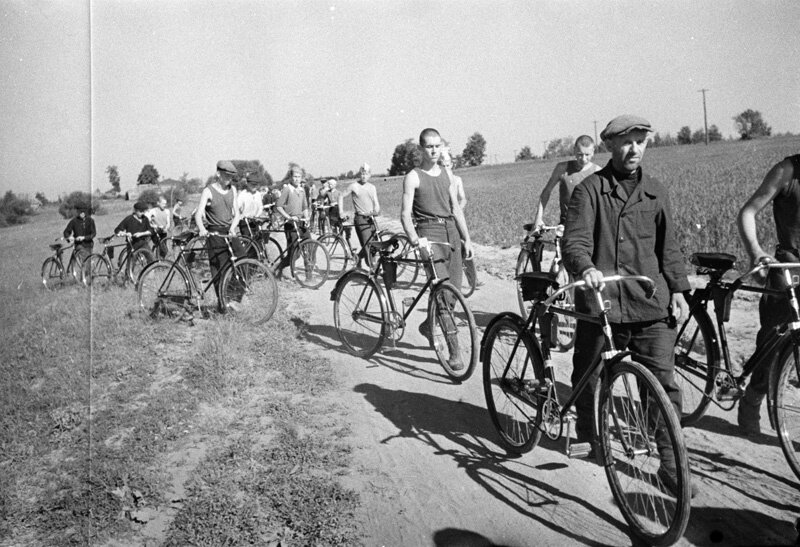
x: 339, y: 254
x: 526, y: 262
x: 310, y: 263
x: 565, y: 324
x: 249, y: 290
x: 512, y: 371
x: 163, y: 290
x: 272, y: 251
x: 453, y: 331
x: 52, y: 273
x: 407, y: 272
x: 467, y: 280
x: 640, y: 444
x: 137, y: 262
x: 97, y: 271
x: 786, y: 401
x: 695, y: 355
x: 358, y: 314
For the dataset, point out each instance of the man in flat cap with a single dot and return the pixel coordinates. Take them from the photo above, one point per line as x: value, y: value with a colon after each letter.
x: 217, y: 213
x: 619, y: 222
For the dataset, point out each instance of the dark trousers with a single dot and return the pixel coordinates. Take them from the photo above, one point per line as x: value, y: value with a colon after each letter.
x: 365, y: 228
x: 82, y: 250
x: 292, y: 237
x: 218, y: 253
x: 446, y: 258
x: 655, y: 340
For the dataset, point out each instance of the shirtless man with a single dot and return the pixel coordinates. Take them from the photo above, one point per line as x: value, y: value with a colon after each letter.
x: 430, y: 209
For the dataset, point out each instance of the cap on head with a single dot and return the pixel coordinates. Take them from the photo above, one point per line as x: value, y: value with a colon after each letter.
x: 364, y: 167
x: 624, y: 124
x: 140, y: 206
x: 253, y: 178
x: 226, y: 166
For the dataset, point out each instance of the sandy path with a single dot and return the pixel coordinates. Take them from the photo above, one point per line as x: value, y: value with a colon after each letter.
x: 430, y: 472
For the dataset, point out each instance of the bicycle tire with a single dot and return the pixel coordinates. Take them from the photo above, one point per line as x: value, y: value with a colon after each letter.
x: 97, y: 271
x: 310, y: 263
x: 407, y: 272
x: 339, y: 254
x: 565, y: 324
x: 251, y: 248
x: 249, y: 290
x: 272, y: 251
x: 696, y: 351
x: 453, y: 332
x: 75, y: 269
x: 512, y: 363
x: 631, y: 407
x: 525, y: 263
x: 139, y: 259
x: 52, y: 273
x: 467, y: 281
x: 359, y: 312
x: 163, y: 291
x: 785, y: 389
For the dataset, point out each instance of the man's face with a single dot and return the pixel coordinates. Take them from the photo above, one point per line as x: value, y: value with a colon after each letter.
x: 583, y: 155
x: 627, y: 150
x: 431, y: 148
x: 297, y: 178
x: 225, y: 179
x: 363, y: 176
x: 162, y: 203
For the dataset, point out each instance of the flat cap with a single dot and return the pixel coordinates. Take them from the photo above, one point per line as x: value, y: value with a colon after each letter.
x: 140, y: 206
x: 624, y: 124
x: 226, y: 166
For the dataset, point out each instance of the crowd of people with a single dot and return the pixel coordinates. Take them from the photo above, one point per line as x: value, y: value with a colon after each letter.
x: 617, y: 220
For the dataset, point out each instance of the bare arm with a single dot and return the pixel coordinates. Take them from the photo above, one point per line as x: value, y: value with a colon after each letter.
x: 377, y: 209
x: 559, y: 170
x: 461, y: 222
x: 205, y: 196
x: 773, y: 183
x: 237, y: 214
x: 410, y: 185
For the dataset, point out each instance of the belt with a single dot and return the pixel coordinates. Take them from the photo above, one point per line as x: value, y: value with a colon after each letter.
x: 433, y: 220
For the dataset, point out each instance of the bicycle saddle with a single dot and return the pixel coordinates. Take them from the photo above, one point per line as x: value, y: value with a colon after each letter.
x: 387, y: 246
x: 712, y: 262
x: 183, y: 238
x: 535, y: 285
x: 527, y: 227
x: 55, y: 246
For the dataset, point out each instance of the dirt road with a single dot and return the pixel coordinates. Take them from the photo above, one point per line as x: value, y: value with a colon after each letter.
x: 430, y: 472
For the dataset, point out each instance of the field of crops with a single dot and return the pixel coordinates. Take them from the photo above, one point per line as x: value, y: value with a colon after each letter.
x: 707, y: 185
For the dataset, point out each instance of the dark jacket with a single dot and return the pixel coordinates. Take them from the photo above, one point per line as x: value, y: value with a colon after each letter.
x: 78, y: 227
x: 618, y: 236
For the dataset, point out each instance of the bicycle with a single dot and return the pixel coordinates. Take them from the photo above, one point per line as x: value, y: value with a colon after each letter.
x: 630, y: 407
x: 342, y: 255
x: 703, y: 361
x: 247, y: 288
x: 365, y: 312
x: 530, y: 259
x: 309, y: 260
x: 53, y: 266
x: 99, y: 268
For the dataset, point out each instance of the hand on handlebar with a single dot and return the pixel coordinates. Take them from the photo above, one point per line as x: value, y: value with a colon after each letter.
x: 594, y: 278
x: 761, y: 275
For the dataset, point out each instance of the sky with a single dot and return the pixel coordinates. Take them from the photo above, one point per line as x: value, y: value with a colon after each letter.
x: 332, y: 84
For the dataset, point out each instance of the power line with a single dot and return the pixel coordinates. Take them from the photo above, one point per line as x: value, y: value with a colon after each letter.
x: 595, y: 132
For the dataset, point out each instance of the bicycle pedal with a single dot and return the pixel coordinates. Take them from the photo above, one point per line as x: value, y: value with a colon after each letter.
x: 408, y: 301
x: 579, y: 450
x: 725, y: 393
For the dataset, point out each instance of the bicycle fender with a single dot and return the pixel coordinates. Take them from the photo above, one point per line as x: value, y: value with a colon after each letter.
x: 506, y: 314
x: 341, y: 281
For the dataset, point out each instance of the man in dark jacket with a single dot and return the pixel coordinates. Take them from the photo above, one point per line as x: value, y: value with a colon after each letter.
x: 81, y: 228
x: 619, y: 222
x: 137, y: 226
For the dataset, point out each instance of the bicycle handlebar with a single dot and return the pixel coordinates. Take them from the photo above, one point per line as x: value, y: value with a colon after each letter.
x: 762, y: 265
x: 651, y: 288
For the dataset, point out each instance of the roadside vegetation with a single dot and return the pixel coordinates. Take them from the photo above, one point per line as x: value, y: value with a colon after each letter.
x: 118, y: 429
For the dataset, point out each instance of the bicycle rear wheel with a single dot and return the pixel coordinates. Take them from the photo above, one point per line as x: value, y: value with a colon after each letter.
x: 137, y: 262
x: 640, y: 438
x: 453, y: 331
x: 249, y: 290
x: 339, y: 254
x: 512, y: 370
x: 526, y: 262
x: 310, y: 263
x: 163, y: 290
x: 467, y: 281
x: 407, y: 272
x: 97, y: 271
x: 695, y: 355
x: 786, y: 401
x: 272, y: 251
x: 565, y: 325
x: 358, y: 314
x: 52, y: 273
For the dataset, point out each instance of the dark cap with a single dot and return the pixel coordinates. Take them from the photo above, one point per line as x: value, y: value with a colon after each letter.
x: 253, y: 178
x: 624, y: 124
x: 140, y: 206
x: 226, y: 166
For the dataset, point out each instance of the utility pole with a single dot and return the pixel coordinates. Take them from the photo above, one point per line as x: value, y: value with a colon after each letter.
x: 705, y: 117
x: 544, y: 143
x: 595, y: 132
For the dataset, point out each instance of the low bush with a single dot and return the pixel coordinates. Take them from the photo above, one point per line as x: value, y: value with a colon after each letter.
x: 69, y: 205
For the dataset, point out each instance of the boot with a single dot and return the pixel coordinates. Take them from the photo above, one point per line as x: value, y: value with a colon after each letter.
x: 749, y: 413
x: 454, y: 362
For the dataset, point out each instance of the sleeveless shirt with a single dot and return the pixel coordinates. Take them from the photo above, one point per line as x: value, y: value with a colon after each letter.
x: 432, y: 197
x: 219, y: 210
x: 567, y: 183
x: 786, y: 209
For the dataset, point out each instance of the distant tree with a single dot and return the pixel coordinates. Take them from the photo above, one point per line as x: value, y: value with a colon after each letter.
x: 560, y: 147
x: 698, y: 136
x: 685, y: 135
x: 714, y: 134
x: 150, y: 196
x: 751, y: 125
x: 406, y: 156
x: 42, y: 198
x: 14, y: 209
x: 288, y: 176
x: 70, y: 204
x: 475, y: 151
x: 113, y: 177
x: 525, y: 154
x: 149, y: 175
x: 253, y: 167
